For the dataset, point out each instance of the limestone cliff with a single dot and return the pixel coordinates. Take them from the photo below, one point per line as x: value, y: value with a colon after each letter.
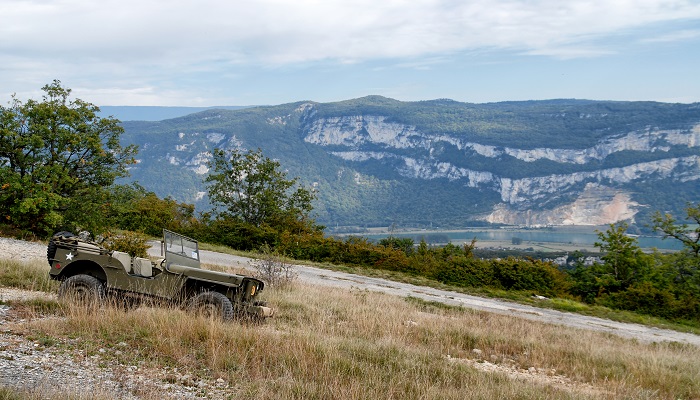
x: 376, y: 160
x: 597, y: 201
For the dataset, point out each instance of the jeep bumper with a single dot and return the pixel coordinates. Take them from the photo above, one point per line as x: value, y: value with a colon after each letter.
x: 259, y: 311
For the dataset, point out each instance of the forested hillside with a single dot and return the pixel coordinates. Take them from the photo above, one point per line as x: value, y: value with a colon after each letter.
x: 378, y: 161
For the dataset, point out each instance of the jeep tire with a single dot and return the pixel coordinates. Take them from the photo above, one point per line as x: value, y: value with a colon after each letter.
x: 82, y: 289
x: 212, y: 304
x: 51, y: 248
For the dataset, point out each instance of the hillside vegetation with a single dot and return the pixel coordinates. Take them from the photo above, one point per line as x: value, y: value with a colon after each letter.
x: 376, y: 161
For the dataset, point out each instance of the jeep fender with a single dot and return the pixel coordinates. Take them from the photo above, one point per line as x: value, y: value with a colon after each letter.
x: 83, y: 267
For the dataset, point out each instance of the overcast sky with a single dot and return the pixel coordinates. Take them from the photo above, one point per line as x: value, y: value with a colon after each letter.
x: 253, y: 52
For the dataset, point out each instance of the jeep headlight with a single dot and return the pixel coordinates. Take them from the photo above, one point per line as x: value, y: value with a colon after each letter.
x: 253, y: 289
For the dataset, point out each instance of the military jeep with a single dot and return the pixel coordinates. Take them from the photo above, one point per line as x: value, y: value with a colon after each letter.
x: 89, y: 274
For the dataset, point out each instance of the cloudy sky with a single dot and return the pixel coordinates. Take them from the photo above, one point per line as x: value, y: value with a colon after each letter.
x: 251, y: 52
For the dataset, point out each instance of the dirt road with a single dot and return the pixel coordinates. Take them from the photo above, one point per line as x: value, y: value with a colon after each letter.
x: 20, y: 250
x: 324, y: 277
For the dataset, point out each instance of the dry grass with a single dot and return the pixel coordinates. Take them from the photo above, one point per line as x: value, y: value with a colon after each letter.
x: 328, y: 343
x: 26, y: 275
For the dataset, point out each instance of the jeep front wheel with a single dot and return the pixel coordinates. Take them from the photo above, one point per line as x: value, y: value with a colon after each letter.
x: 83, y: 290
x: 213, y: 305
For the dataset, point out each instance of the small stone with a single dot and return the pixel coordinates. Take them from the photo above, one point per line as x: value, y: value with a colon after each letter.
x: 477, y: 352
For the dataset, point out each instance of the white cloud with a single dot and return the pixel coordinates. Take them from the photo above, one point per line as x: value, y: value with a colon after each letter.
x: 134, y: 43
x: 279, y: 32
x: 677, y: 36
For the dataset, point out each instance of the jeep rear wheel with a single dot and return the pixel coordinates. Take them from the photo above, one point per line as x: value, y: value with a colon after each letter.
x: 82, y: 290
x: 213, y: 305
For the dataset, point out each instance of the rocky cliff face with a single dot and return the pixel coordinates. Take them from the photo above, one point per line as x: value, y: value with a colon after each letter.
x: 376, y: 160
x: 598, y: 194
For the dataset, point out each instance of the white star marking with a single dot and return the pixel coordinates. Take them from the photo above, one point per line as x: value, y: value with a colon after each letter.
x: 69, y: 256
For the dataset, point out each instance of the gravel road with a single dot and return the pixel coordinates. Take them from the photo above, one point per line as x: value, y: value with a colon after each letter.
x: 20, y: 250
x: 318, y: 276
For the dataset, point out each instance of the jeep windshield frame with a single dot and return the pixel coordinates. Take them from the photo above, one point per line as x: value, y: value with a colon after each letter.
x: 180, y: 249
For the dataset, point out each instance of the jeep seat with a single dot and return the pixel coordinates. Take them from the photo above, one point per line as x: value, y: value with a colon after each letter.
x: 143, y: 266
x: 124, y: 259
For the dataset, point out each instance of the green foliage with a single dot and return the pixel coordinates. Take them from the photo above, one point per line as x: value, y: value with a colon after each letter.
x: 508, y: 274
x: 56, y: 157
x: 133, y: 208
x: 351, y: 251
x: 689, y: 236
x: 253, y: 189
x: 257, y: 203
x: 235, y: 234
x: 403, y: 244
x: 646, y: 298
x: 666, y: 286
x: 624, y: 261
x: 129, y: 242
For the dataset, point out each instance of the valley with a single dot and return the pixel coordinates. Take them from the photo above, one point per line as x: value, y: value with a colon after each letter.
x: 379, y: 161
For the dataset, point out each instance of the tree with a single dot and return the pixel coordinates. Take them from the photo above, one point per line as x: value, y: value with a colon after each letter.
x: 133, y: 208
x: 403, y: 244
x: 56, y: 158
x: 252, y: 188
x: 690, y: 237
x: 624, y: 261
x: 686, y: 263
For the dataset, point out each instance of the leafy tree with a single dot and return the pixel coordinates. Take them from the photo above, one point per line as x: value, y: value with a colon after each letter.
x: 252, y: 188
x: 56, y: 157
x: 403, y: 244
x: 133, y: 208
x: 686, y: 263
x: 690, y: 237
x: 624, y: 261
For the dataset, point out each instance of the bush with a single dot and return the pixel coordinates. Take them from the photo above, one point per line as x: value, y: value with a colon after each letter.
x: 237, y: 234
x: 273, y: 268
x: 129, y: 242
x: 508, y: 274
x: 467, y: 272
x: 644, y: 298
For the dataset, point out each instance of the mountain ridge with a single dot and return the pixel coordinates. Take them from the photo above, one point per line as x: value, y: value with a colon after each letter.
x: 376, y: 160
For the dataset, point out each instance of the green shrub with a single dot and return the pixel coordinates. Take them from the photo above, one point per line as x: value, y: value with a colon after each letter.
x: 507, y: 274
x: 645, y: 298
x: 467, y: 272
x: 129, y: 242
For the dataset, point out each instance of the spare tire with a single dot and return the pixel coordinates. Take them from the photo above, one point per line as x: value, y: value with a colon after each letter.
x: 51, y: 248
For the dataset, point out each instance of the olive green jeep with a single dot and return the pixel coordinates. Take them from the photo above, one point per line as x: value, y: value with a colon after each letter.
x: 89, y: 273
